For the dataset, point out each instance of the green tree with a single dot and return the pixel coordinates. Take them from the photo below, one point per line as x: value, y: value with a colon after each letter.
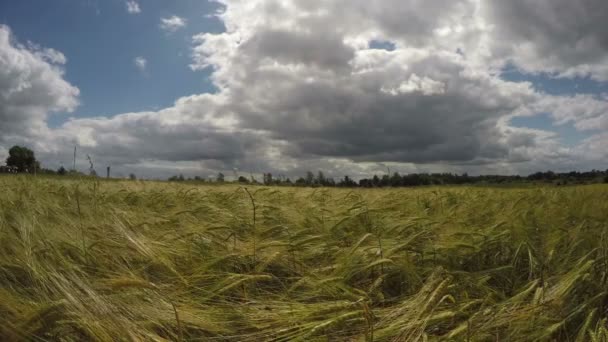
x: 220, y: 178
x: 376, y: 181
x: 321, y: 180
x: 395, y: 180
x: 22, y: 158
x: 310, y: 178
x: 268, y: 179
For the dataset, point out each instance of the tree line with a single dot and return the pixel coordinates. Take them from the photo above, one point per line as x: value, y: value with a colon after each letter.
x: 411, y: 180
x: 23, y: 160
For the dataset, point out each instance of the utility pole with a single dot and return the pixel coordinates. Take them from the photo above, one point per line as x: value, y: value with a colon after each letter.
x: 74, y: 169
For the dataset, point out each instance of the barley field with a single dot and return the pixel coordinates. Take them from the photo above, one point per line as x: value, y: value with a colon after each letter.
x: 91, y: 260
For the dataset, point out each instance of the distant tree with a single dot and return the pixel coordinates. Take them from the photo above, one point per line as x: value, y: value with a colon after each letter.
x: 22, y: 158
x: 220, y: 178
x: 365, y: 183
x: 243, y: 180
x: 385, y: 181
x: 132, y: 176
x: 62, y: 171
x: 376, y: 181
x: 395, y: 180
x: 268, y: 179
x: 178, y: 178
x: 347, y: 182
x: 310, y: 178
x: 321, y: 178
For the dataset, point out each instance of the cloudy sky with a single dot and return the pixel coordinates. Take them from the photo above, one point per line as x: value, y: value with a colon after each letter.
x: 350, y: 87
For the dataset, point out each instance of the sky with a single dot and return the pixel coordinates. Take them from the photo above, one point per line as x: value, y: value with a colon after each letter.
x: 347, y: 87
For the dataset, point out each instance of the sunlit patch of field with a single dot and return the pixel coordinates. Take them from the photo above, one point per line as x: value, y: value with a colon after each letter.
x: 119, y: 260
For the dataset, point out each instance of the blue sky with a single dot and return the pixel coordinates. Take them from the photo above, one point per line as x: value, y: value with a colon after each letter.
x: 344, y: 86
x: 556, y: 85
x: 100, y: 40
x: 566, y: 133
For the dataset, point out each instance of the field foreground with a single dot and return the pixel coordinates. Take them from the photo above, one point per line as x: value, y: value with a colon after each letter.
x: 109, y: 261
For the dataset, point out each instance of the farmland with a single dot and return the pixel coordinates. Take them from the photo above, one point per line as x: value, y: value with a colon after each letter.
x: 84, y: 259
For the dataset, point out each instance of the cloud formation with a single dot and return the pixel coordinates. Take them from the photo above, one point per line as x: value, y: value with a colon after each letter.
x: 140, y: 63
x: 191, y: 130
x: 172, y: 24
x: 31, y: 87
x: 300, y: 87
x: 562, y: 37
x: 309, y: 77
x: 321, y: 88
x: 133, y: 7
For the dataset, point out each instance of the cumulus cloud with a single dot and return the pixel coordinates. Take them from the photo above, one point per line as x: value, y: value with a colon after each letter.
x: 308, y: 77
x: 319, y: 88
x: 133, y: 7
x: 586, y: 112
x: 195, y: 129
x: 172, y: 24
x: 594, y: 148
x: 31, y: 87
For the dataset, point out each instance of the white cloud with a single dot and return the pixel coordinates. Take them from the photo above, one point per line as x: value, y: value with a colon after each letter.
x: 133, y: 7
x: 594, y: 148
x: 140, y: 63
x: 31, y: 87
x: 426, y: 86
x: 172, y: 24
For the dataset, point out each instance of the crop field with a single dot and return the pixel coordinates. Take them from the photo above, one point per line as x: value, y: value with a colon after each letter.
x: 91, y: 260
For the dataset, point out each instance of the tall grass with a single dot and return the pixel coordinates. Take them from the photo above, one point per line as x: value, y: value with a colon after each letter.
x: 132, y: 261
